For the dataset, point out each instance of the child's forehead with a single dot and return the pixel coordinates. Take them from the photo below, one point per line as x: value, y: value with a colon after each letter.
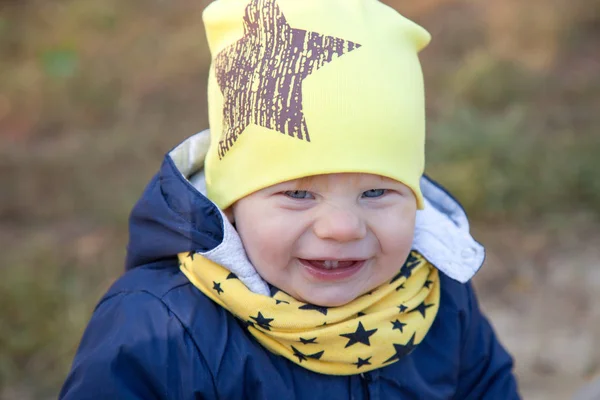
x: 354, y: 178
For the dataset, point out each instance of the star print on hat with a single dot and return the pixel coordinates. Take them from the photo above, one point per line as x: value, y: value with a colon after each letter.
x: 302, y: 88
x: 261, y: 74
x: 369, y: 332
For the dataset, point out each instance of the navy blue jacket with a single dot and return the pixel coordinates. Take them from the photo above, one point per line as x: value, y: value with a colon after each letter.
x: 155, y: 336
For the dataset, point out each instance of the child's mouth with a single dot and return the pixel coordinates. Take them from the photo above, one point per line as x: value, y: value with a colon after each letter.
x: 331, y: 264
x: 332, y: 269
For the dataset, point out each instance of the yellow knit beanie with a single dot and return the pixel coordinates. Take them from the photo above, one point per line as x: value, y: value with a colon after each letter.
x: 307, y: 87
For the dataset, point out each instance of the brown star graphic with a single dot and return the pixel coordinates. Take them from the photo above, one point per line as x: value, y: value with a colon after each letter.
x: 261, y: 74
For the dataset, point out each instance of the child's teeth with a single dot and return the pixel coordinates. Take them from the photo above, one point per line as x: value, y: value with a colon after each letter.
x: 330, y: 264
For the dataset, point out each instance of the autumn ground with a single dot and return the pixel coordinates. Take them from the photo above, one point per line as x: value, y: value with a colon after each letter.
x: 92, y: 94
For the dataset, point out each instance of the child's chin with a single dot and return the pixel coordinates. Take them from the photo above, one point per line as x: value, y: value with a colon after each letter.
x: 331, y: 300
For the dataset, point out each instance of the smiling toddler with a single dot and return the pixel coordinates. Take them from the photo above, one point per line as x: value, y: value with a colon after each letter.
x: 295, y: 250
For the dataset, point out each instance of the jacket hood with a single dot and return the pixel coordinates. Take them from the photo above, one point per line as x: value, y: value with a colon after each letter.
x: 173, y: 215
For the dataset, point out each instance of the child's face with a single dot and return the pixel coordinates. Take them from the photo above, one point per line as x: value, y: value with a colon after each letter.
x: 328, y: 239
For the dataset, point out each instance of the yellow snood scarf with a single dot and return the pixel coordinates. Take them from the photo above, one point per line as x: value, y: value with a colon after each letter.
x: 372, y: 331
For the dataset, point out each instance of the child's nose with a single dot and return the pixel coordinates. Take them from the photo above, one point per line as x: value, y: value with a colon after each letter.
x: 340, y: 225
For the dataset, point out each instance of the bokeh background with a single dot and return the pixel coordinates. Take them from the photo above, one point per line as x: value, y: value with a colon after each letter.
x: 93, y: 93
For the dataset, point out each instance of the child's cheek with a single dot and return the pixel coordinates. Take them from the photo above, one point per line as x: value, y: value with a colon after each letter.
x: 396, y: 235
x: 267, y: 245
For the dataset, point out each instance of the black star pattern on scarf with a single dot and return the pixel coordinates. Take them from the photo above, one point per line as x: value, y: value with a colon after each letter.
x: 322, y: 310
x: 422, y: 308
x: 360, y: 314
x: 427, y: 283
x: 362, y: 362
x: 308, y: 341
x: 407, y: 268
x: 217, y: 287
x: 281, y: 301
x: 406, y: 271
x: 359, y: 336
x: 400, y: 287
x: 402, y: 308
x: 191, y: 255
x: 402, y: 349
x: 303, y: 357
x: 232, y: 276
x: 398, y: 325
x: 274, y: 290
x: 263, y: 322
x: 412, y: 260
x: 248, y: 324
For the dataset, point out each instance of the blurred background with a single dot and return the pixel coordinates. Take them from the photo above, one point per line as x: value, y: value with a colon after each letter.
x: 93, y: 93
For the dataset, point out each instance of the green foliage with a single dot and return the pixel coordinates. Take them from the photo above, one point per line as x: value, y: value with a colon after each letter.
x: 512, y: 143
x: 491, y: 84
x: 3, y: 26
x: 42, y: 319
x: 49, y: 288
x: 60, y: 63
x: 500, y: 166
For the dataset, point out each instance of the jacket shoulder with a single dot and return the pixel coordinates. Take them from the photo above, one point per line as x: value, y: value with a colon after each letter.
x: 132, y: 336
x: 454, y: 295
x: 156, y: 279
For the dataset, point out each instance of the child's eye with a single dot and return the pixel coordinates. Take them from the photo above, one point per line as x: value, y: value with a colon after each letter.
x: 298, y: 194
x: 373, y: 193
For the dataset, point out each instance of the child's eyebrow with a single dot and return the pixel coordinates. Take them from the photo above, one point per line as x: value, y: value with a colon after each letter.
x: 307, y: 181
